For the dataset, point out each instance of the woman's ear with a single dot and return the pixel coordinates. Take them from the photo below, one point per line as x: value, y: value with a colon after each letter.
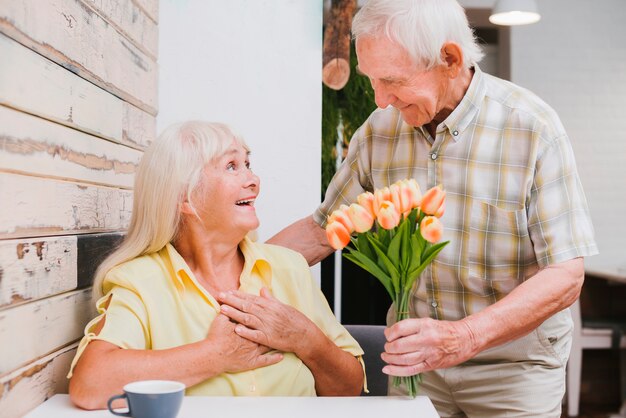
x: 186, y: 208
x: 452, y: 56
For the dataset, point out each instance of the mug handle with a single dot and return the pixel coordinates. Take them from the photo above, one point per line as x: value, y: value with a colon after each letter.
x: 113, y: 398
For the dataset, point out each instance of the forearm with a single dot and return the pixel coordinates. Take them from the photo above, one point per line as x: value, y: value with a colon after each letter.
x: 336, y: 372
x: 549, y: 291
x: 104, y: 369
x: 306, y: 237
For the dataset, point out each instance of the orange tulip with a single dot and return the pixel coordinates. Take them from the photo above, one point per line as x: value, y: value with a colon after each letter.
x: 441, y: 210
x: 432, y: 200
x: 366, y: 200
x: 412, y: 189
x: 398, y: 199
x: 380, y: 196
x: 388, y: 215
x: 431, y: 229
x: 341, y: 215
x: 337, y: 234
x: 361, y: 218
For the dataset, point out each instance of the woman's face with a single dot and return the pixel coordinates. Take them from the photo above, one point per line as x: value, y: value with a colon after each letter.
x: 226, y: 194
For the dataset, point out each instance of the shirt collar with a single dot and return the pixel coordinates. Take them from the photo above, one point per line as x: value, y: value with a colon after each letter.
x: 255, y: 261
x: 466, y: 110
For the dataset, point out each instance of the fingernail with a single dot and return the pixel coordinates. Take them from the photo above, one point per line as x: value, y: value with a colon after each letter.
x: 221, y: 295
x: 224, y: 308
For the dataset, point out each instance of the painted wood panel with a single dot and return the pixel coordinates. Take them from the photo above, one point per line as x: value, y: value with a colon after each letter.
x: 71, y: 34
x: 33, y: 269
x: 24, y: 389
x: 39, y: 328
x: 36, y: 268
x: 32, y: 145
x: 130, y: 20
x: 150, y: 7
x: 31, y: 206
x: 36, y: 85
x: 138, y: 127
x: 92, y: 250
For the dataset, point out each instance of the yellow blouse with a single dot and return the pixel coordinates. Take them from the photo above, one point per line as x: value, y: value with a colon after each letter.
x: 158, y: 304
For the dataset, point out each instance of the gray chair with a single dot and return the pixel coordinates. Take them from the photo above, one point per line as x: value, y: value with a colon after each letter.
x: 372, y: 340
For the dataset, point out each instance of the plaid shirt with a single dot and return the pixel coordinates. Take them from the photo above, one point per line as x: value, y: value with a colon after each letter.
x: 514, y: 202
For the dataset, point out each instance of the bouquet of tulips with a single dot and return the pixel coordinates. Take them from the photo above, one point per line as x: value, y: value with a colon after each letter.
x: 397, y: 230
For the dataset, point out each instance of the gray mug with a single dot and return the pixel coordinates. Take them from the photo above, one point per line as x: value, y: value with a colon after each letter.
x: 151, y: 399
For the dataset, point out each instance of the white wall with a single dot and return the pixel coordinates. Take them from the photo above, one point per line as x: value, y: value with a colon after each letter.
x: 256, y: 65
x: 575, y: 59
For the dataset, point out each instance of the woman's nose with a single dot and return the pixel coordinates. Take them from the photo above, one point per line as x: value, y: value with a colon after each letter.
x: 253, y: 180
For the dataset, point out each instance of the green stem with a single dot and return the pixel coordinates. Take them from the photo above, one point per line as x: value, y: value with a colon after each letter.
x: 402, y: 312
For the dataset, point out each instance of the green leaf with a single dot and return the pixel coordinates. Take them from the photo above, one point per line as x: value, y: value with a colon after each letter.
x: 374, y: 236
x: 435, y: 247
x: 434, y: 250
x: 364, y: 246
x: 405, y: 248
x: 370, y: 266
x: 384, y: 237
x: 393, y: 252
x: 413, y: 217
x: 416, y: 253
x: 393, y: 271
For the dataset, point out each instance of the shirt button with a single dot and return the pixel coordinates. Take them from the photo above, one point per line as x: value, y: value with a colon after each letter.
x: 434, y: 304
x: 455, y: 133
x: 433, y: 156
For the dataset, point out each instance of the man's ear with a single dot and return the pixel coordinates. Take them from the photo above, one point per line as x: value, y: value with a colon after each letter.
x: 452, y: 56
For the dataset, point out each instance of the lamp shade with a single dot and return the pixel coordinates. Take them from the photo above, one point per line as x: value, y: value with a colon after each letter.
x: 514, y: 12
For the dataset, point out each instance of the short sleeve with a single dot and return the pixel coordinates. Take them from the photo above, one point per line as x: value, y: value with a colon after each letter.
x: 559, y: 221
x: 126, y: 320
x: 349, y: 180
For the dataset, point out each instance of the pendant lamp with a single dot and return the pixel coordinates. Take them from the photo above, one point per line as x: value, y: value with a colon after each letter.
x: 514, y: 12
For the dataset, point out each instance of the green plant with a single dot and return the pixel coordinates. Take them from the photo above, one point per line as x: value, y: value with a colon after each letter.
x: 352, y: 105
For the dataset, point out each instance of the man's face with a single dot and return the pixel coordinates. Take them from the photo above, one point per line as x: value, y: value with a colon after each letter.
x: 419, y: 95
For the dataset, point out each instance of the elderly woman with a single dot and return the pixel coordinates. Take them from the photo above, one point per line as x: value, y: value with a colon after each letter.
x: 188, y: 297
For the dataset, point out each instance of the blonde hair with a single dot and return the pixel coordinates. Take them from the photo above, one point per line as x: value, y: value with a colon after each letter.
x: 421, y: 27
x: 168, y: 173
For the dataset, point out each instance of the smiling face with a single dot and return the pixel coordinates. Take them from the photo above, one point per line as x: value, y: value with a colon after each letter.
x: 225, y: 196
x: 419, y: 95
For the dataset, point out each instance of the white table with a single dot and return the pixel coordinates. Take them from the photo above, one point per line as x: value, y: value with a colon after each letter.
x: 59, y: 406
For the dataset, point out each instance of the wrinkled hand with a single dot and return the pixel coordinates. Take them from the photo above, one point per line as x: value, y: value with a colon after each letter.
x: 419, y: 345
x: 238, y: 354
x: 267, y: 321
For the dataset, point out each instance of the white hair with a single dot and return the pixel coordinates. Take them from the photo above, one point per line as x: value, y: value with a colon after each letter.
x: 421, y: 27
x: 170, y: 170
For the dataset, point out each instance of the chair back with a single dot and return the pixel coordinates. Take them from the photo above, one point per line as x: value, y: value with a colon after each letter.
x: 372, y: 340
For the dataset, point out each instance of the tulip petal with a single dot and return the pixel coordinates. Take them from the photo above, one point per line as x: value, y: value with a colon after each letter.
x: 431, y: 229
x: 432, y: 200
x: 361, y: 218
x: 388, y: 215
x: 337, y: 234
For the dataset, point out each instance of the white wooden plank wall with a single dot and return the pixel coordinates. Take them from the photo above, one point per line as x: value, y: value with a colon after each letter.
x: 78, y: 100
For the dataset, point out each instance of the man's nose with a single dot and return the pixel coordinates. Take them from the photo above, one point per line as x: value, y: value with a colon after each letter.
x: 382, y: 96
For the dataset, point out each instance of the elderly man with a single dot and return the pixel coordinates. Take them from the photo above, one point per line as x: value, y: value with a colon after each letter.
x: 490, y: 328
